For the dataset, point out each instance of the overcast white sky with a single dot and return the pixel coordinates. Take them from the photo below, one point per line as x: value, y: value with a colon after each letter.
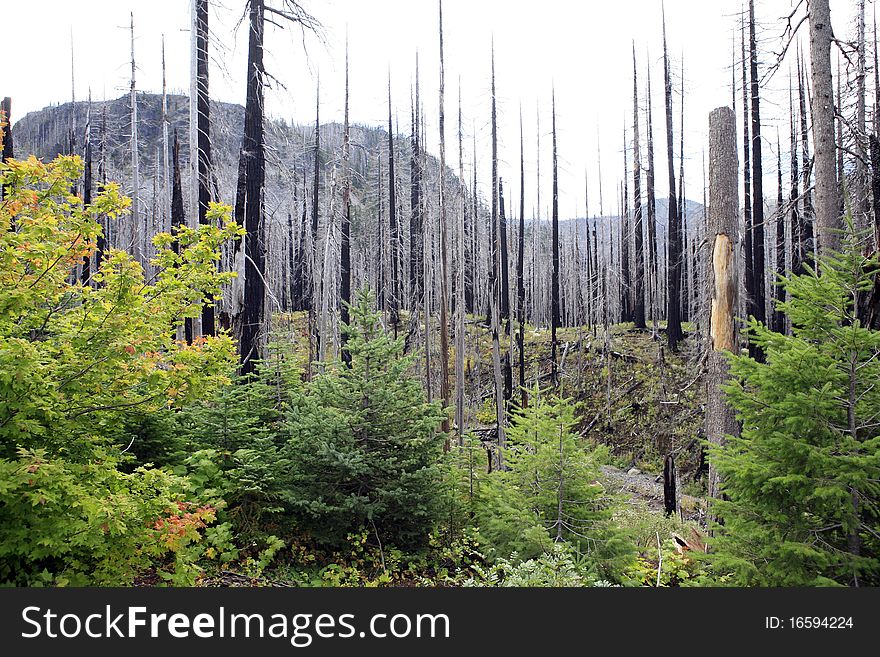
x: 582, y: 48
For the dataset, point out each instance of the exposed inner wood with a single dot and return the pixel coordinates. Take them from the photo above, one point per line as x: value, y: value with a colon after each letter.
x: 721, y: 323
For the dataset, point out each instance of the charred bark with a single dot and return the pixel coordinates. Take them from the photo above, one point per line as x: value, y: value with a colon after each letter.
x: 204, y: 138
x: 253, y: 314
x: 673, y: 260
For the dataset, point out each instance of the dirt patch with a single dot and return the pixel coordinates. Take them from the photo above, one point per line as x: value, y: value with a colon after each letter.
x: 649, y: 488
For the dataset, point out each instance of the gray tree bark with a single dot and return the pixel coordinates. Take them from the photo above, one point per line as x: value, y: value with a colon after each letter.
x: 639, y: 271
x: 860, y: 194
x: 721, y: 274
x: 495, y: 298
x: 554, y: 289
x: 136, y: 248
x: 345, y: 233
x: 460, y: 289
x: 826, y: 208
x: 444, y: 249
x: 653, y: 254
x: 202, y: 164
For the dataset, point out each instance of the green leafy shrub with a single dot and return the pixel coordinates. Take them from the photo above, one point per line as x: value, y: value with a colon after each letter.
x: 75, y: 360
x: 558, y: 567
x: 676, y: 567
x: 65, y: 523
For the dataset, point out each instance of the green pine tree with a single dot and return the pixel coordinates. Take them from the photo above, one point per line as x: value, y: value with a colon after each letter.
x: 252, y: 407
x: 234, y: 441
x: 365, y: 445
x: 550, y: 491
x: 802, y: 481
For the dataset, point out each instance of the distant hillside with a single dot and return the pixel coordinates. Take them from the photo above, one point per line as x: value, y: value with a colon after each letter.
x: 289, y: 148
x: 45, y: 133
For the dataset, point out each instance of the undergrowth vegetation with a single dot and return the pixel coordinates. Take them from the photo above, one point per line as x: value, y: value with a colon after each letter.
x: 128, y: 457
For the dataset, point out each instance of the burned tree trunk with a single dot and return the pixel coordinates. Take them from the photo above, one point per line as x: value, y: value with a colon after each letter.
x: 301, y: 264
x: 6, y: 149
x: 808, y: 216
x: 797, y: 243
x: 103, y: 236
x: 166, y: 151
x: 203, y: 126
x: 312, y: 293
x: 345, y: 237
x: 653, y: 254
x: 827, y: 218
x: 670, y: 499
x: 460, y: 293
x: 504, y: 306
x: 253, y: 313
x: 638, y: 278
x: 393, y: 294
x: 747, y: 184
x: 625, y: 278
x: 415, y: 223
x: 382, y: 242
x: 444, y: 248
x: 874, y: 142
x: 595, y: 277
x: 495, y: 291
x: 520, y: 278
x: 860, y: 196
x: 292, y: 282
x: 492, y: 273
x: 757, y: 182
x: 673, y: 259
x: 554, y: 279
x: 588, y: 264
x: 86, y: 272
x: 7, y: 152
x: 721, y: 276
x: 779, y: 296
x: 137, y: 249
x: 178, y: 221
x: 476, y: 260
x: 178, y: 215
x: 869, y: 312
x: 503, y: 261
x: 682, y: 216
x: 470, y: 250
x: 841, y: 170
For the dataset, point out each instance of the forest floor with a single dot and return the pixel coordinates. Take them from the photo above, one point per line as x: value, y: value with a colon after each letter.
x: 635, y: 397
